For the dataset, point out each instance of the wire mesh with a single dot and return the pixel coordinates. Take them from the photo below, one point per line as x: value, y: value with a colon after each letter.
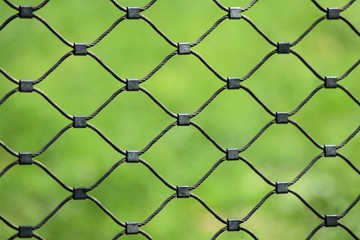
x: 183, y: 120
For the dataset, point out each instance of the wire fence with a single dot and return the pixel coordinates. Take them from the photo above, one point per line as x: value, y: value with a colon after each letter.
x: 230, y: 153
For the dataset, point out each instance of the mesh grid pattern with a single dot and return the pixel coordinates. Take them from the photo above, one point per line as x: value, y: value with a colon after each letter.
x: 230, y: 153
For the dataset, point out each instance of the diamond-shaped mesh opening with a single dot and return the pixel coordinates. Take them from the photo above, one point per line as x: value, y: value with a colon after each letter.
x: 183, y: 214
x: 280, y: 89
x: 186, y: 92
x: 86, y: 222
x: 339, y: 191
x: 136, y: 57
x: 87, y: 165
x: 228, y: 58
x: 133, y: 185
x: 28, y: 46
x: 22, y: 188
x: 295, y: 24
x: 283, y: 207
x: 74, y: 73
x: 337, y: 49
x: 184, y: 28
x: 195, y: 160
x: 236, y: 109
x: 32, y: 115
x: 137, y: 109
x: 277, y: 162
x: 89, y: 20
x: 240, y: 178
x: 336, y: 121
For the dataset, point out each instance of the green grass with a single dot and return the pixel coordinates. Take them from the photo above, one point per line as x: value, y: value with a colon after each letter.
x: 183, y: 155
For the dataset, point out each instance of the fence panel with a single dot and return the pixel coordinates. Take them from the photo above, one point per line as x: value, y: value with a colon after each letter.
x: 179, y: 119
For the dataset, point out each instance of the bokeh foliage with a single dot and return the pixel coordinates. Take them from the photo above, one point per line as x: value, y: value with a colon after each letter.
x: 80, y: 85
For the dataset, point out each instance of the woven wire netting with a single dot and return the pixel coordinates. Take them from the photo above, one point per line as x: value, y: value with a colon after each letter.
x: 184, y: 139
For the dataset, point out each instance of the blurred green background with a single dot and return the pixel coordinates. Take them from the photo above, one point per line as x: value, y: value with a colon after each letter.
x: 133, y: 49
